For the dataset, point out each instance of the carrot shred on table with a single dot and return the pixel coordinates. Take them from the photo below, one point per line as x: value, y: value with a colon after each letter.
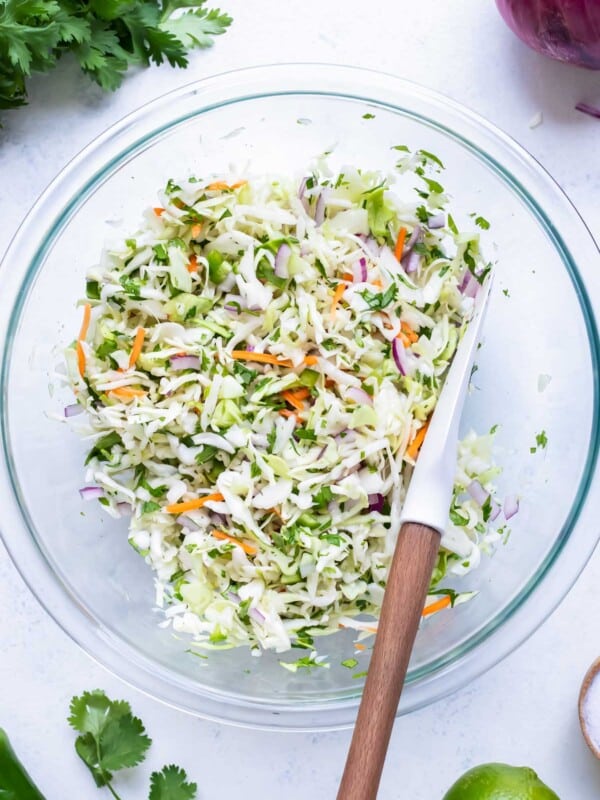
x: 192, y: 265
x: 412, y: 451
x: 159, y: 211
x: 247, y: 548
x: 337, y: 296
x: 399, y: 249
x: 359, y: 646
x: 126, y: 393
x: 196, y: 230
x: 80, y: 358
x: 85, y: 324
x: 347, y: 276
x: 138, y: 343
x: 433, y: 608
x: 197, y: 502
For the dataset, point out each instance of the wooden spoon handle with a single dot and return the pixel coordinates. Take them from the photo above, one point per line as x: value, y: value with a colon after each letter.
x: 408, y: 582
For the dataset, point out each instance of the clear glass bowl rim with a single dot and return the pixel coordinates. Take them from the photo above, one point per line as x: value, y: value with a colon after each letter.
x: 545, y: 200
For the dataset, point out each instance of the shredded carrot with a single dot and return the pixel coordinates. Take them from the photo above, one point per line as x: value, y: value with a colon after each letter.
x: 347, y: 277
x: 404, y: 339
x: 360, y: 646
x: 159, y: 211
x: 399, y: 249
x: 87, y: 312
x: 80, y: 359
x: 247, y: 548
x: 337, y: 296
x: 443, y: 602
x: 192, y: 265
x: 220, y: 186
x: 377, y: 282
x: 190, y: 505
x: 267, y: 358
x: 295, y: 398
x: 412, y: 451
x: 196, y: 230
x: 262, y: 358
x: 126, y: 393
x: 285, y: 412
x: 408, y: 332
x: 138, y: 343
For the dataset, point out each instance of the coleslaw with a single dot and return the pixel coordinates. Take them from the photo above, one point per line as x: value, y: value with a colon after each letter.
x: 258, y: 365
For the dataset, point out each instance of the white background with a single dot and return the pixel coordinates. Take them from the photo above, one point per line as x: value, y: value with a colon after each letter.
x: 524, y: 710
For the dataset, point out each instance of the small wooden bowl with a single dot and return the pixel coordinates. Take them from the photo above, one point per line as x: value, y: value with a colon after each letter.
x: 593, y: 672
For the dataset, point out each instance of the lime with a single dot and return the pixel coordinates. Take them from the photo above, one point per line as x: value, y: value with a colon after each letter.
x: 500, y: 782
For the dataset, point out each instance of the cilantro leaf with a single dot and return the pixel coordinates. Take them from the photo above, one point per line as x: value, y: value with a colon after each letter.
x: 197, y: 28
x: 106, y: 37
x: 380, y: 300
x: 171, y: 784
x: 111, y: 737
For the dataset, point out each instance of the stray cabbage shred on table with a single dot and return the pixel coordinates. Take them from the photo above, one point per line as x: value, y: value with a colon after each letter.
x: 258, y: 365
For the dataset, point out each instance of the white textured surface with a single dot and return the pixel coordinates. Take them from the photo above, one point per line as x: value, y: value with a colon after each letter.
x: 524, y: 710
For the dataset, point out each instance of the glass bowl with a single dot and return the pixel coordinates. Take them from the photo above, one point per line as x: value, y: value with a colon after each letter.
x: 541, y: 322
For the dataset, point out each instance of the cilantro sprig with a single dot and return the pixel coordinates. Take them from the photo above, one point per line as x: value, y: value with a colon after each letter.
x: 111, y: 739
x: 106, y: 37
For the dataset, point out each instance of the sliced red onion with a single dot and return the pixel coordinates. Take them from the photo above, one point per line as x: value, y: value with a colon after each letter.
x: 250, y: 348
x: 412, y: 262
x: 376, y: 502
x: 477, y: 492
x: 231, y: 309
x: 412, y: 240
x: 281, y: 260
x: 91, y: 492
x: 359, y: 395
x: 511, y: 505
x: 371, y: 246
x: 257, y: 616
x: 472, y: 288
x: 437, y: 221
x: 185, y: 362
x: 124, y: 508
x: 235, y: 597
x: 359, y: 270
x: 464, y: 281
x: 73, y: 410
x: 400, y: 358
x: 320, y: 207
x: 302, y: 194
x: 586, y: 108
x: 188, y: 523
x: 322, y: 452
x: 496, y: 509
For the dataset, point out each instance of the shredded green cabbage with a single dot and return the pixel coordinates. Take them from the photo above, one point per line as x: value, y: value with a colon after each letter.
x: 308, y: 457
